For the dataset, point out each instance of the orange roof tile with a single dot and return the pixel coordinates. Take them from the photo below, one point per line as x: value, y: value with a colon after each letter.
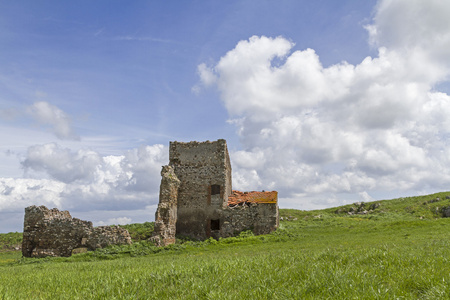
x: 238, y: 197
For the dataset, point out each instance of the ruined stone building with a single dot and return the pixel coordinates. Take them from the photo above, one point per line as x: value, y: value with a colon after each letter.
x: 50, y: 232
x: 203, y: 203
x: 166, y: 214
x: 196, y: 200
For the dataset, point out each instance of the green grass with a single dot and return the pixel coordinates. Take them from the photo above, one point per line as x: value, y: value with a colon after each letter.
x: 400, y: 250
x: 140, y: 232
x: 10, y: 241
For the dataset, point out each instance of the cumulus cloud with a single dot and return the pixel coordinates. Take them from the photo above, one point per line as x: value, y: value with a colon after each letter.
x: 62, y: 164
x: 142, y: 164
x: 17, y: 193
x: 344, y: 129
x: 84, y: 180
x: 59, y: 122
x: 409, y: 25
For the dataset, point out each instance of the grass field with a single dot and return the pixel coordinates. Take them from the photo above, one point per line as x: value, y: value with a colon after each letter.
x: 400, y: 250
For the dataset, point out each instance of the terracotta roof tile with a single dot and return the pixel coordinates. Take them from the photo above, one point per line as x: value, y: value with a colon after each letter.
x: 238, y: 197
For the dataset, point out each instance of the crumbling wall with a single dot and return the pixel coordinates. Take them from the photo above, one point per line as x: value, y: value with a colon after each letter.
x: 205, y: 205
x: 103, y: 236
x: 261, y: 218
x: 204, y: 171
x: 50, y: 232
x: 166, y: 214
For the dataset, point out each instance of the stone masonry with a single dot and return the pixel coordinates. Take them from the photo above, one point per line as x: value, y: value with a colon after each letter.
x: 257, y: 211
x: 166, y: 214
x: 206, y: 204
x: 50, y: 232
x: 204, y: 170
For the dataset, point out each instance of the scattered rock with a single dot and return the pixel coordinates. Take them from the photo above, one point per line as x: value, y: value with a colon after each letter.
x: 432, y: 201
x: 446, y: 212
x: 358, y: 208
x: 374, y: 206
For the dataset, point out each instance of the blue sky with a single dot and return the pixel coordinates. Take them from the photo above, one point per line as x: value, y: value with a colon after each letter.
x: 114, y: 64
x: 328, y: 102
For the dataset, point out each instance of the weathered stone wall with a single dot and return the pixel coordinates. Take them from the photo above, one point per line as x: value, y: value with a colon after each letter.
x: 166, y: 214
x: 50, y: 232
x: 206, y: 205
x: 261, y: 218
x: 103, y: 236
x: 204, y: 170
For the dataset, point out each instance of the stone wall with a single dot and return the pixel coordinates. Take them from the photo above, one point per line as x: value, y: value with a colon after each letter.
x: 205, y: 205
x: 204, y: 170
x: 261, y: 218
x: 50, y: 232
x: 166, y: 214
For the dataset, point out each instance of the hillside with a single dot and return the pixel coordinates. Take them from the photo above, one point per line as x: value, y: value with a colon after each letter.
x: 423, y: 207
x: 383, y: 249
x: 10, y: 241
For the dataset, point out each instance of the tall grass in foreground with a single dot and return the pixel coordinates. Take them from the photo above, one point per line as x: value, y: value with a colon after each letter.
x: 384, y: 272
x: 321, y: 255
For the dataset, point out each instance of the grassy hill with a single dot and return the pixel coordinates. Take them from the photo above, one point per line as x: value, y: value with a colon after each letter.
x: 10, y: 241
x: 379, y: 250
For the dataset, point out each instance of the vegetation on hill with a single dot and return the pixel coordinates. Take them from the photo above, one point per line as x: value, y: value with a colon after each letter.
x: 379, y: 250
x: 140, y: 232
x: 10, y: 241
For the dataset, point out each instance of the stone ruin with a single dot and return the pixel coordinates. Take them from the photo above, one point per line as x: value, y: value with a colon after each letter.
x: 50, y: 232
x: 166, y: 214
x: 197, y: 200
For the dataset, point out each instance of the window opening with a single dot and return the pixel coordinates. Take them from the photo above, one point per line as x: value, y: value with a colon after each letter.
x: 215, y: 224
x: 215, y: 189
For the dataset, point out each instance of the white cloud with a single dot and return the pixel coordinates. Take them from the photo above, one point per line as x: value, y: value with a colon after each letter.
x: 47, y: 114
x: 142, y: 164
x: 366, y: 197
x: 16, y: 194
x: 62, y: 164
x: 206, y: 75
x: 411, y: 24
x: 114, y: 221
x: 83, y: 180
x: 345, y: 129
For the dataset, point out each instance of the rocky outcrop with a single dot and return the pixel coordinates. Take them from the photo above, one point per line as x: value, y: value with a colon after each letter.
x: 166, y: 214
x: 446, y: 212
x: 50, y: 232
x: 358, y: 208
